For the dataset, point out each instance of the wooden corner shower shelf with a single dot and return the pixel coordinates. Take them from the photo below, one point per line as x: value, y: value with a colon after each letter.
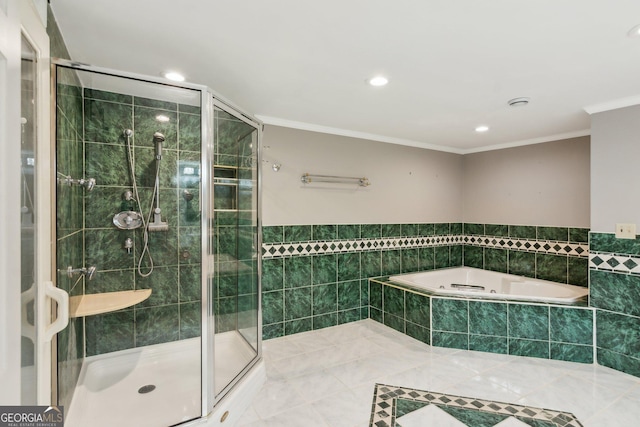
x: 91, y: 304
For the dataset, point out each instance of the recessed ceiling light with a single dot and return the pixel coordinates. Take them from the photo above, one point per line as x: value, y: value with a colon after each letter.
x: 634, y: 32
x: 162, y: 118
x: 174, y: 76
x: 378, y: 81
x: 482, y: 128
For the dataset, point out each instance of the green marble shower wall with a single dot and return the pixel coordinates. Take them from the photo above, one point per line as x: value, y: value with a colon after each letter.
x: 316, y: 276
x: 173, y: 310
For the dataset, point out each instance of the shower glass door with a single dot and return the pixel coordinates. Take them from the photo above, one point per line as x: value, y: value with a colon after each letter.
x: 129, y: 240
x: 235, y: 246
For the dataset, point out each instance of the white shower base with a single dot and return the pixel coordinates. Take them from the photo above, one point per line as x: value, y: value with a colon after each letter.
x: 107, y: 391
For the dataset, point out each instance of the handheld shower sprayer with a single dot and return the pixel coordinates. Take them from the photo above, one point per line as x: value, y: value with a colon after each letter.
x: 158, y: 139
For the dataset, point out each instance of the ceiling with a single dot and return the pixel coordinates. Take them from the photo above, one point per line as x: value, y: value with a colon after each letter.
x: 452, y: 64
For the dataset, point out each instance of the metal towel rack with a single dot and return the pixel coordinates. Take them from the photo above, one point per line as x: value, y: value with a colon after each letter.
x: 309, y: 178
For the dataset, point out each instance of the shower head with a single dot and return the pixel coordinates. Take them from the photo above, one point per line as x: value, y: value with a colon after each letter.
x: 158, y: 139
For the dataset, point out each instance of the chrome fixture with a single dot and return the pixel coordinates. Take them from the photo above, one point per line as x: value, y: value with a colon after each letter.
x: 158, y: 139
x: 128, y: 244
x: 86, y: 272
x: 187, y: 195
x: 468, y: 287
x: 128, y: 220
x: 158, y: 224
x: 308, y: 178
x: 276, y: 167
x: 88, y: 183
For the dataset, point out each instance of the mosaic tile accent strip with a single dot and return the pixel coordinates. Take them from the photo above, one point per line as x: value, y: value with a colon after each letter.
x: 385, y: 401
x: 277, y: 250
x: 620, y: 263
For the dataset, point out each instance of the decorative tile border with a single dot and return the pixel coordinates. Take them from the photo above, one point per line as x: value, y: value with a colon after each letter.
x: 619, y: 263
x: 383, y: 410
x: 279, y: 250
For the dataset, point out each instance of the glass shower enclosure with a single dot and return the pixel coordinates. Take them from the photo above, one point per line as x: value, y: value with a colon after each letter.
x: 157, y: 244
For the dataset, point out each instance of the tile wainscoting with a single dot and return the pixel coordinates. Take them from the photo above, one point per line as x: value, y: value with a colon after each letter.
x: 316, y: 276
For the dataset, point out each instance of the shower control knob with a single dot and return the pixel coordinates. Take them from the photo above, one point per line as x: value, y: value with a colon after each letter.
x: 128, y: 244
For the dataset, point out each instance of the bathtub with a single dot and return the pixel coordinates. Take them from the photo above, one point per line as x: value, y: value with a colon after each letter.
x: 476, y: 283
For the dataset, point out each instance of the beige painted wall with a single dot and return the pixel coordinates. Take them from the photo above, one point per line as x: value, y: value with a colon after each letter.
x: 408, y: 185
x: 541, y: 184
x: 615, y: 170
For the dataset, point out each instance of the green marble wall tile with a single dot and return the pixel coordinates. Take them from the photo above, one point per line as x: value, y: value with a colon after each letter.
x: 190, y: 250
x: 297, y: 303
x: 571, y: 325
x: 615, y: 291
x: 324, y: 232
x: 498, y: 230
x: 391, y: 262
x: 272, y: 331
x: 103, y: 248
x: 442, y: 229
x: 112, y: 281
x: 189, y: 109
x: 456, y: 254
x: 571, y: 352
x: 418, y: 332
x: 618, y: 333
x: 155, y: 325
x: 371, y: 263
x: 487, y: 318
x: 450, y: 340
x: 109, y: 332
x: 106, y: 121
x: 391, y: 230
x: 107, y: 162
x: 164, y: 285
x: 108, y: 96
x: 442, y: 257
x: 324, y: 320
x: 375, y: 295
x: 522, y: 263
x: 529, y: 321
x: 190, y: 283
x: 297, y: 272
x: 348, y: 266
x: 297, y: 233
x: 426, y: 229
x: 449, y: 315
x: 553, y: 233
x: 325, y: 298
x: 375, y: 314
x: 190, y: 320
x: 619, y: 362
x: 298, y: 325
x: 273, y: 234
x: 410, y: 260
x: 348, y: 231
x: 394, y: 322
x: 551, y: 267
x: 427, y: 258
x: 410, y: 230
x: 272, y: 307
x: 189, y: 133
x: 324, y: 269
x: 579, y: 235
x: 522, y: 231
x: 607, y: 242
x: 473, y: 256
x: 456, y: 228
x: 348, y: 316
x: 393, y: 301
x: 272, y: 274
x: 371, y: 231
x: 529, y: 348
x: 155, y: 103
x: 349, y: 295
x: 489, y: 344
x: 473, y: 229
x: 578, y: 273
x: 495, y: 259
x: 417, y: 309
x: 364, y: 292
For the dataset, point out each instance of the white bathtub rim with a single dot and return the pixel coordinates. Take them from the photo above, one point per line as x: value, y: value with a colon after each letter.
x: 405, y: 280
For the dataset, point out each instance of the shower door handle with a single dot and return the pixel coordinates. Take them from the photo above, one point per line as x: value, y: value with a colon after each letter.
x: 62, y: 319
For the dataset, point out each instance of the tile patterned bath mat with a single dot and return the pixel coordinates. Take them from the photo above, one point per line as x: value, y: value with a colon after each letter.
x: 406, y: 407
